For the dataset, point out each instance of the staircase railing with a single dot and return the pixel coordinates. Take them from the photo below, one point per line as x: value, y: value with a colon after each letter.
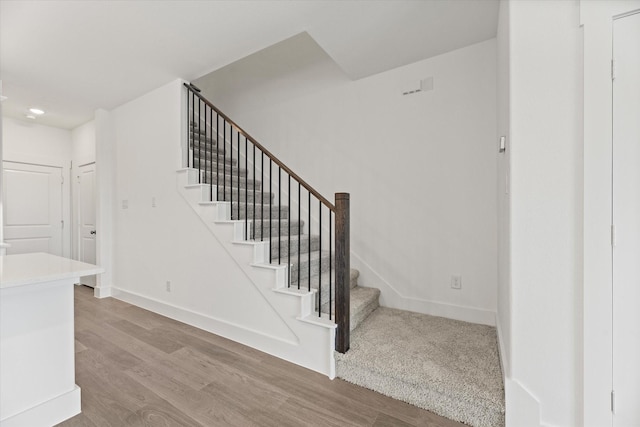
x: 228, y: 159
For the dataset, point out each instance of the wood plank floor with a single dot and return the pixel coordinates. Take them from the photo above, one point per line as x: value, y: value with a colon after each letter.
x: 137, y: 368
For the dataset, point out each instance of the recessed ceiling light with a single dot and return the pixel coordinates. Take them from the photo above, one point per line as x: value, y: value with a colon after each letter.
x: 2, y: 98
x: 36, y: 111
x: 31, y: 116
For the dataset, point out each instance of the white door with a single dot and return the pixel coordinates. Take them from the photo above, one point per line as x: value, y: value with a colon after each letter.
x: 87, y: 218
x: 32, y: 208
x: 626, y: 219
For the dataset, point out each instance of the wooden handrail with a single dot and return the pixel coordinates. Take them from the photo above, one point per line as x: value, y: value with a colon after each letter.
x: 277, y: 161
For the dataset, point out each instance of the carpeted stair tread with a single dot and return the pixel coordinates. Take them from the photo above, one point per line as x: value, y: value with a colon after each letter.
x: 202, y: 131
x: 200, y: 139
x: 222, y: 171
x: 209, y: 152
x: 286, y: 226
x: 284, y: 246
x: 319, y: 262
x: 363, y: 301
x: 262, y: 212
x: 239, y: 194
x: 442, y: 365
x: 325, y: 278
x: 206, y: 163
x: 231, y: 180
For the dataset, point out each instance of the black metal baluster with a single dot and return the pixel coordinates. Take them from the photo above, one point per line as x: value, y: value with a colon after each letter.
x: 224, y: 158
x: 239, y: 163
x: 270, y: 209
x: 330, y: 261
x: 246, y: 192
x: 299, y: 233
x: 279, y: 209
x: 207, y: 164
x: 231, y: 170
x: 192, y: 145
x: 199, y: 153
x: 213, y: 147
x: 261, y: 192
x: 289, y: 232
x: 254, y: 189
x: 217, y: 156
x: 190, y: 115
x: 309, y: 252
x: 320, y: 259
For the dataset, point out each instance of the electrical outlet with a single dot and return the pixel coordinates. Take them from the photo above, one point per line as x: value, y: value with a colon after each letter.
x: 168, y: 286
x: 456, y: 282
x: 125, y: 204
x: 153, y: 202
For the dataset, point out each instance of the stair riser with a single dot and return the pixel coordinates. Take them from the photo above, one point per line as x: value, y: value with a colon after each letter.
x: 325, y: 280
x: 222, y: 172
x: 264, y: 226
x: 260, y: 214
x: 356, y: 317
x: 234, y: 186
x: 215, y: 164
x: 285, y: 246
x: 211, y: 151
x: 259, y: 197
x: 202, y: 139
x: 202, y: 129
x: 232, y: 181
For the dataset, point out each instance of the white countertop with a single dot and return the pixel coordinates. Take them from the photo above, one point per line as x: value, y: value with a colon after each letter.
x: 27, y: 269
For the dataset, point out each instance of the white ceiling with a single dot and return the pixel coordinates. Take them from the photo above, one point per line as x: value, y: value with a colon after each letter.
x: 73, y: 57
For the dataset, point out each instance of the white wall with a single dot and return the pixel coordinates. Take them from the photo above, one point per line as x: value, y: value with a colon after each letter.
x: 169, y: 242
x: 30, y: 142
x: 35, y: 143
x: 546, y: 120
x: 503, y: 322
x: 421, y: 169
x: 83, y: 144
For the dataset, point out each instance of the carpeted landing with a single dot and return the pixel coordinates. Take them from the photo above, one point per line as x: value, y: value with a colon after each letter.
x: 449, y: 367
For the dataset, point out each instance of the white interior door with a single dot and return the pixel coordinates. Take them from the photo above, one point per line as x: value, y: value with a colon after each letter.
x: 32, y: 208
x: 626, y: 219
x: 87, y: 218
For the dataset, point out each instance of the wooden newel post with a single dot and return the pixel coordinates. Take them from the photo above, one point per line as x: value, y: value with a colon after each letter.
x: 343, y: 272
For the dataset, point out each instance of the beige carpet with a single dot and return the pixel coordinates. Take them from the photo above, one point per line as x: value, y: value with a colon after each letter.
x: 446, y: 366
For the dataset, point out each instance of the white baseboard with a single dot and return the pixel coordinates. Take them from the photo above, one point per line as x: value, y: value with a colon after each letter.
x: 501, y: 350
x: 392, y: 298
x: 49, y: 413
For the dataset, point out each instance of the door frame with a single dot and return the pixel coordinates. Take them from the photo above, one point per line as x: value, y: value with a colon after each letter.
x: 596, y: 18
x: 622, y: 251
x: 75, y: 209
x: 66, y: 190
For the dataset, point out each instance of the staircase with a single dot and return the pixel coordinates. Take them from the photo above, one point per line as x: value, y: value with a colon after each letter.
x: 288, y: 247
x: 290, y: 242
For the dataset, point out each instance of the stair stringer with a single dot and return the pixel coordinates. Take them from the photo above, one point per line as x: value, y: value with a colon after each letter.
x: 315, y: 335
